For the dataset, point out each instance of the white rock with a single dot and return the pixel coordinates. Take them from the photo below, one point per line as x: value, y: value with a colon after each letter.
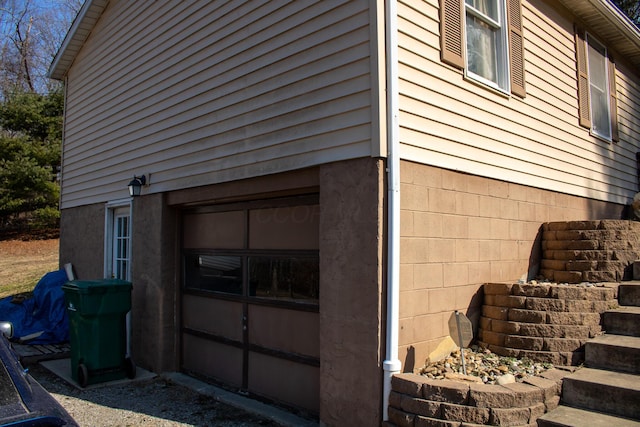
x: 506, y: 379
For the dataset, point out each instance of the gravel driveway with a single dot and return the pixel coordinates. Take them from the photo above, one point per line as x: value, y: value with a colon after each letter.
x: 157, y: 402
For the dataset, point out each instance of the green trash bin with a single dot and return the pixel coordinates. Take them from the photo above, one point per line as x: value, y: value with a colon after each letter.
x: 98, y: 330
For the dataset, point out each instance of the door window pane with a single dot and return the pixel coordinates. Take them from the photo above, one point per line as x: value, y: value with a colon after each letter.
x: 121, y: 245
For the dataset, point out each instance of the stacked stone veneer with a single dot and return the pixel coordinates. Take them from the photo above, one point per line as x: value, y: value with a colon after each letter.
x: 417, y: 401
x: 590, y: 251
x: 543, y: 322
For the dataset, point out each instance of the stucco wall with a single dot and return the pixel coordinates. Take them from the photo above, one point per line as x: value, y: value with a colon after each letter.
x: 155, y: 284
x: 82, y: 240
x: 460, y: 231
x: 351, y: 264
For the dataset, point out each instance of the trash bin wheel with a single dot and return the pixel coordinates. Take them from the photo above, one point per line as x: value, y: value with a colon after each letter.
x: 83, y: 375
x: 130, y: 368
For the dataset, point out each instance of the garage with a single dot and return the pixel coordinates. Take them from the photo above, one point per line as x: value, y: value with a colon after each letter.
x: 250, y: 297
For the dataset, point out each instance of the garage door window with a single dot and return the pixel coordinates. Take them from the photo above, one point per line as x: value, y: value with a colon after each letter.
x: 265, y: 250
x: 214, y: 273
x: 284, y: 278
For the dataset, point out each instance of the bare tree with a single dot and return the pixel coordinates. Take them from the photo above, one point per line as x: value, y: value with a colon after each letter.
x: 31, y: 33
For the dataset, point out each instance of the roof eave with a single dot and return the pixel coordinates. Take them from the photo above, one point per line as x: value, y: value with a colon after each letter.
x: 80, y: 29
x: 609, y: 23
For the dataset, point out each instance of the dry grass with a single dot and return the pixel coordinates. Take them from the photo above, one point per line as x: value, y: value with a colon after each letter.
x: 23, y: 263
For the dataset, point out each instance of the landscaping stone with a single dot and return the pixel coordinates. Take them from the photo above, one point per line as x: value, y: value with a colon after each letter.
x: 510, y: 416
x: 400, y: 418
x: 433, y: 422
x: 447, y: 402
x: 590, y: 251
x: 406, y: 384
x: 424, y: 407
x: 451, y: 412
x: 497, y: 396
x: 446, y: 391
x: 481, y: 363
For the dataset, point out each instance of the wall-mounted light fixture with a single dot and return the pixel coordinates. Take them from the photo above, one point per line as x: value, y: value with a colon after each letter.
x: 135, y: 185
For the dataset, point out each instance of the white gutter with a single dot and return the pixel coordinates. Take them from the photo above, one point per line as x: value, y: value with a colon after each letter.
x: 392, y: 364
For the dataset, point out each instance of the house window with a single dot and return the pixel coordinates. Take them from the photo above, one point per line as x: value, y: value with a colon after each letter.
x: 597, y: 99
x: 486, y: 42
x: 484, y: 38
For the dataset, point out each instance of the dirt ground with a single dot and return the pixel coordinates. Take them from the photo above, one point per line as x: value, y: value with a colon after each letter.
x: 23, y: 263
x: 150, y: 403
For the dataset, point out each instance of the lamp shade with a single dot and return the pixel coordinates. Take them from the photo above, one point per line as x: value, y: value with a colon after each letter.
x: 135, y: 185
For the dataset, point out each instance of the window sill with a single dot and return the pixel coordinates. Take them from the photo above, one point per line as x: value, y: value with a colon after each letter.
x: 487, y: 86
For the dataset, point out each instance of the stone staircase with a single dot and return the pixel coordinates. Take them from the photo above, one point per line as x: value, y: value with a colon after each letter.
x: 606, y: 392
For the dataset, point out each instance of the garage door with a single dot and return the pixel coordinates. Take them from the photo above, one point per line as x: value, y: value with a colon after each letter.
x: 250, y: 297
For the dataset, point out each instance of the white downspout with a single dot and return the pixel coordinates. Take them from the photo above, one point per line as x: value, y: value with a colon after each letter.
x: 392, y: 364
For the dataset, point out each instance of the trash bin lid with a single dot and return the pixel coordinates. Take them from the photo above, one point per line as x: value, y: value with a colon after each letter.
x: 97, y: 286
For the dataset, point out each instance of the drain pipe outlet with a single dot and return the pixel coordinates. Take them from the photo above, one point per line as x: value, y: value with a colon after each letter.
x: 392, y: 364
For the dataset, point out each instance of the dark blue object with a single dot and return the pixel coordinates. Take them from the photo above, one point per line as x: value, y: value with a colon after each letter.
x: 41, y: 319
x: 23, y: 401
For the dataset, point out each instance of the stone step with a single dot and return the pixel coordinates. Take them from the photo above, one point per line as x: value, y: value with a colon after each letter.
x: 623, y: 320
x: 614, y: 393
x: 574, y: 417
x: 629, y: 294
x: 614, y: 352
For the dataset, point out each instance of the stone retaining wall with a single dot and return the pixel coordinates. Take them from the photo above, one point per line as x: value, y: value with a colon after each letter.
x: 417, y: 401
x: 543, y: 322
x: 590, y: 251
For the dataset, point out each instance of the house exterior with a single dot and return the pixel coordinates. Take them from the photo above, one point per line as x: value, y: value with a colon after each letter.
x: 326, y: 182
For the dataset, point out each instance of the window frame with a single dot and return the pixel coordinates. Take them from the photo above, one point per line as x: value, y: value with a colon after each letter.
x: 584, y: 83
x: 500, y: 47
x: 246, y: 291
x: 593, y: 44
x: 453, y: 44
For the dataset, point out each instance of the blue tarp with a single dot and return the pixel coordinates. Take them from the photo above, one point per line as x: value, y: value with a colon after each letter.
x: 44, y: 315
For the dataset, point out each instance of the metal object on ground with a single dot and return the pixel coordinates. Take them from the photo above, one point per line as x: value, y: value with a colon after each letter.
x: 461, y: 331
